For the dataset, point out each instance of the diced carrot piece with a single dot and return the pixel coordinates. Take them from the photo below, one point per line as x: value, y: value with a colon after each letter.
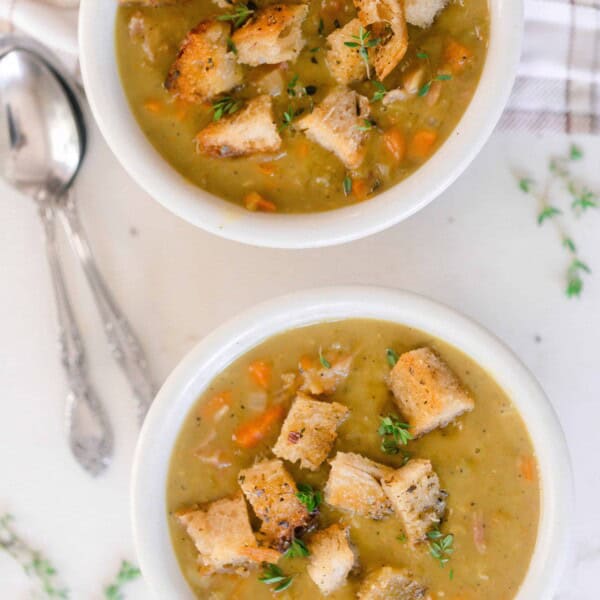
x: 251, y: 433
x: 306, y: 363
x: 421, y: 144
x: 395, y: 143
x: 527, y: 467
x: 209, y: 409
x: 255, y: 202
x: 302, y: 149
x: 267, y: 168
x: 260, y: 371
x: 153, y: 106
x: 360, y: 188
x: 456, y: 56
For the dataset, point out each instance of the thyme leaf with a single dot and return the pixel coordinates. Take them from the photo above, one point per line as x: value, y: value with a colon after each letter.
x: 310, y: 497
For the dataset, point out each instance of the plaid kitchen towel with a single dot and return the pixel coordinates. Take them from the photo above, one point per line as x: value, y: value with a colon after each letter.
x: 558, y: 83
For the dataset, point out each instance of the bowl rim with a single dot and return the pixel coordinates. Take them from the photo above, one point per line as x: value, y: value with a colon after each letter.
x: 243, y: 332
x: 143, y: 162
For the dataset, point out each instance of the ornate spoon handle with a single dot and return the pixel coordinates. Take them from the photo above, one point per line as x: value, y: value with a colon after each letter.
x: 124, y: 345
x: 90, y: 433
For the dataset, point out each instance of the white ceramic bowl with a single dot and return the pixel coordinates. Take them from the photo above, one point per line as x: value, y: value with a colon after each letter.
x: 160, y: 180
x: 228, y: 342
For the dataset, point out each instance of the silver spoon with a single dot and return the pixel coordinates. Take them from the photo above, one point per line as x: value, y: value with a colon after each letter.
x: 38, y: 154
x: 60, y: 117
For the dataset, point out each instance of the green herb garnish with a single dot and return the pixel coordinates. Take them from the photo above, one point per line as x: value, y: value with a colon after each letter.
x: 321, y: 28
x: 547, y: 212
x: 126, y: 574
x: 272, y: 574
x: 310, y: 497
x: 392, y: 357
x: 427, y: 86
x: 297, y: 549
x: 231, y: 46
x: 440, y: 546
x: 525, y: 184
x: 225, y: 106
x: 451, y: 574
x: 367, y: 125
x: 288, y: 116
x: 422, y: 55
x: 380, y: 91
x: 574, y: 280
x: 38, y: 568
x: 401, y: 538
x: 291, y: 86
x: 363, y: 43
x: 239, y: 16
x: 347, y: 184
x: 394, y: 434
x: 323, y: 360
x: 575, y: 152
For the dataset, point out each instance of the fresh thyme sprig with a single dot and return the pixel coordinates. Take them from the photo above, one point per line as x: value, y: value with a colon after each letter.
x: 288, y: 116
x: 297, y: 549
x: 363, y: 43
x: 310, y: 497
x: 241, y: 13
x: 424, y: 89
x: 440, y: 546
x: 380, y: 91
x: 127, y: 573
x: 324, y: 362
x: 272, y: 575
x: 394, y: 433
x: 392, y: 357
x: 367, y: 125
x: 40, y: 570
x: 582, y: 200
x: 225, y: 106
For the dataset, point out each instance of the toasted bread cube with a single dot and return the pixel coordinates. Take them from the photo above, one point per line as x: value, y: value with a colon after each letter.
x: 249, y: 131
x: 427, y: 392
x: 204, y: 66
x: 271, y: 492
x: 309, y: 431
x: 272, y: 35
x: 331, y: 558
x: 221, y: 534
x: 389, y: 582
x: 416, y: 497
x: 385, y: 21
x: 336, y: 124
x: 354, y: 486
x: 422, y: 13
x: 344, y: 62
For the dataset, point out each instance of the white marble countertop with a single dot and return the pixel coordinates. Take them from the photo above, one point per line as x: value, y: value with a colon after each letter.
x: 477, y: 248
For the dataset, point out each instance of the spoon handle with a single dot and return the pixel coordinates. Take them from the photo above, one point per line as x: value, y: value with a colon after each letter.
x: 87, y: 425
x: 124, y: 345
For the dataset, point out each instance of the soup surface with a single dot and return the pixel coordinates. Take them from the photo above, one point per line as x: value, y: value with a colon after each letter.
x: 403, y: 119
x: 484, y: 460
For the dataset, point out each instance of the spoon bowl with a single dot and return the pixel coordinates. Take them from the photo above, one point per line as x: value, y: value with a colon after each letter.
x: 43, y: 143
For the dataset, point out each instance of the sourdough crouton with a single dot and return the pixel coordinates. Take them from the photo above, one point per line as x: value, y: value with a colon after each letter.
x: 422, y: 13
x: 388, y: 582
x: 344, y: 62
x: 248, y: 131
x: 204, y: 66
x: 272, y: 35
x: 336, y: 125
x: 325, y: 380
x: 309, y: 431
x: 384, y: 20
x: 331, y: 558
x: 271, y: 492
x: 221, y: 534
x: 414, y: 491
x: 427, y: 392
x: 353, y: 486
